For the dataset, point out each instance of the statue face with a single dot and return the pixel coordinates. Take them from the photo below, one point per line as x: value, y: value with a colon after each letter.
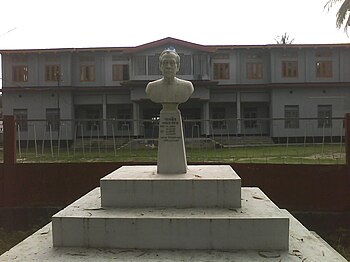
x: 168, y: 66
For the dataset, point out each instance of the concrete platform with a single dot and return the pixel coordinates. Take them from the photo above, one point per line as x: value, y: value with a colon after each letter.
x: 258, y: 225
x: 201, y: 186
x: 304, y: 246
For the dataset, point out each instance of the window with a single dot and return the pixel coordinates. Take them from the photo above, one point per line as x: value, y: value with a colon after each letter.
x: 21, y: 117
x: 87, y: 73
x: 221, y: 71
x: 140, y: 65
x: 123, y: 117
x: 289, y: 68
x: 291, y: 115
x: 52, y: 119
x: 200, y: 65
x: 324, y: 69
x: 120, y: 72
x: 324, y: 115
x: 254, y: 70
x: 153, y: 65
x: 20, y: 73
x: 185, y: 67
x: 220, y: 114
x: 52, y: 73
x: 250, y: 112
x: 93, y: 116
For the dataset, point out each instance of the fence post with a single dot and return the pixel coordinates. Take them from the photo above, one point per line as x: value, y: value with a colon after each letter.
x: 9, y: 140
x: 9, y: 190
x: 347, y: 138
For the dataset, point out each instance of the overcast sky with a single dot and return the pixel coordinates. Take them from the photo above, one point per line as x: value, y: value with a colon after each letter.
x: 107, y: 23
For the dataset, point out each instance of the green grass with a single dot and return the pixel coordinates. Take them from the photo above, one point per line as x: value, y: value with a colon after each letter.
x: 293, y: 154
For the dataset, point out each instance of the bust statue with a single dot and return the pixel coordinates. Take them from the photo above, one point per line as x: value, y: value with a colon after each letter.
x: 169, y: 90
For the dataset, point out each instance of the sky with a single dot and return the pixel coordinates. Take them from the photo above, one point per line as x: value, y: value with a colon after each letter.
x: 40, y: 24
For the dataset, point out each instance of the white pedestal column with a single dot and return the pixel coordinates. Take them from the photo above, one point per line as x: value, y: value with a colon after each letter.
x: 171, y: 145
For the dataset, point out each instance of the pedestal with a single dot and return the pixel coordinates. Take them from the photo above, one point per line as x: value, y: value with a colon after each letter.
x: 138, y: 208
x: 202, y: 186
x: 171, y: 145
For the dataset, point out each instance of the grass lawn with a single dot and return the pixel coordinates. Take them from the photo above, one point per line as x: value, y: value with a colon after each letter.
x: 292, y: 154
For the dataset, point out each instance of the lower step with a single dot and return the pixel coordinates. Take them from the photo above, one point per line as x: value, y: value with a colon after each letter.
x: 258, y: 225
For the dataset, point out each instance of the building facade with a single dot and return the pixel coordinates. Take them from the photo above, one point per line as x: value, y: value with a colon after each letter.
x: 273, y: 90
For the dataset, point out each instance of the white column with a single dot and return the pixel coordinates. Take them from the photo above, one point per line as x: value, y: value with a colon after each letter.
x: 206, y: 117
x: 104, y: 114
x: 238, y: 104
x: 135, y: 118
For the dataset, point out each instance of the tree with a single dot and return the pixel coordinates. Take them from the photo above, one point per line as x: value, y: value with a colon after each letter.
x: 284, y: 39
x: 343, y: 15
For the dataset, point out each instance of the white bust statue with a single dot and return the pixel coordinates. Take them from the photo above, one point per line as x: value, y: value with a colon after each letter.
x: 169, y: 90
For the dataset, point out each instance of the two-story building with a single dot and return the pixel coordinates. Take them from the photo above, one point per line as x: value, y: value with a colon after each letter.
x: 239, y: 90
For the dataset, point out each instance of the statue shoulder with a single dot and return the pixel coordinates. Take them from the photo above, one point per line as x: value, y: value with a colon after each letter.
x: 186, y: 84
x: 152, y: 85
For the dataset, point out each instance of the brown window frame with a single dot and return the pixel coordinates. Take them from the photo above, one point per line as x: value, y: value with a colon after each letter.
x: 20, y: 73
x: 324, y: 68
x: 221, y: 71
x: 254, y: 70
x: 289, y: 69
x: 291, y: 116
x: 85, y: 73
x: 53, y: 119
x: 52, y: 73
x: 120, y: 72
x: 21, y: 118
x: 324, y: 115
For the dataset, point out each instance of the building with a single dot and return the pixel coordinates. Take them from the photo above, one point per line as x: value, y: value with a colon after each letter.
x: 273, y: 90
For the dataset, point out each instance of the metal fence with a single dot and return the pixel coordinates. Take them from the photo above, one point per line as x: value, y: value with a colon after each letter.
x: 283, y: 140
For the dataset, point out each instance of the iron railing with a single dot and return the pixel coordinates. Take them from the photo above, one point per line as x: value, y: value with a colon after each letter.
x: 297, y: 140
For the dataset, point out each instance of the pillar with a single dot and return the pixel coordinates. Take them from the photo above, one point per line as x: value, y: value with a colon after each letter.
x: 9, y: 140
x: 347, y: 138
x: 136, y: 118
x: 206, y: 117
x: 104, y: 114
x: 238, y: 105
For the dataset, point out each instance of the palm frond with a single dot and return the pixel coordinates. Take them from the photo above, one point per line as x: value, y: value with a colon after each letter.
x: 330, y: 4
x: 342, y: 15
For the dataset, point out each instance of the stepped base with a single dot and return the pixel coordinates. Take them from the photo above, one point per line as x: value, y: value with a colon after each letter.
x: 201, y: 186
x: 258, y: 225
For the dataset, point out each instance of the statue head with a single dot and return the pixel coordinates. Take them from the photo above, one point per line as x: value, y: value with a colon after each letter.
x: 169, y: 63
